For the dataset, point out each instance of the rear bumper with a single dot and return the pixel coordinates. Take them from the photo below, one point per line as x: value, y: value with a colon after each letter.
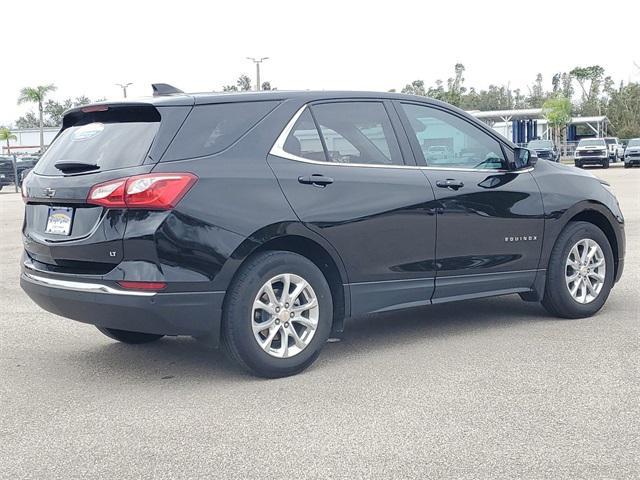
x: 181, y: 313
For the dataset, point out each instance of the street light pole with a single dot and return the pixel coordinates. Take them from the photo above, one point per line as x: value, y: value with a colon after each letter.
x: 258, y: 61
x: 124, y: 86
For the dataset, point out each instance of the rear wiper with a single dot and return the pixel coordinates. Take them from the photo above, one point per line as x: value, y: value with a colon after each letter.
x: 69, y: 166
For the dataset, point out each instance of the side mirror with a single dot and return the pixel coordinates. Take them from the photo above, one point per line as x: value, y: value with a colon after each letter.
x: 523, y: 158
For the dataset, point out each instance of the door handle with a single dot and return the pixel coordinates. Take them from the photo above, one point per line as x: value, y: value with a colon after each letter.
x: 450, y: 183
x: 316, y: 179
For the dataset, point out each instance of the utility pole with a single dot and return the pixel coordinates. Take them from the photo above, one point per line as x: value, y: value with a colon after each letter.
x: 257, y: 61
x: 124, y: 86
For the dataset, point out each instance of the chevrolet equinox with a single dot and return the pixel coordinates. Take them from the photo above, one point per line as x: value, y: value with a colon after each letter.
x: 263, y: 220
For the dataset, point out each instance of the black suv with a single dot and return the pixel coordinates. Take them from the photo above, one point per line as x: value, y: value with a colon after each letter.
x: 265, y: 219
x: 545, y: 149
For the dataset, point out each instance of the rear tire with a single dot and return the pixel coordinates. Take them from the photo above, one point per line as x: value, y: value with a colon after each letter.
x: 558, y: 299
x: 270, y: 333
x: 132, y: 338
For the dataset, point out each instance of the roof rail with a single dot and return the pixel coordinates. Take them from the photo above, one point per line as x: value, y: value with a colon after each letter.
x: 160, y: 89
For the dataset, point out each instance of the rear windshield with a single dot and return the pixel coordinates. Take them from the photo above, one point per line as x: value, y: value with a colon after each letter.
x: 591, y: 143
x: 119, y: 138
x: 610, y: 141
x: 209, y: 129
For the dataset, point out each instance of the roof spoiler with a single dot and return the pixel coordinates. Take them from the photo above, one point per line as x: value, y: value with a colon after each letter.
x: 160, y: 89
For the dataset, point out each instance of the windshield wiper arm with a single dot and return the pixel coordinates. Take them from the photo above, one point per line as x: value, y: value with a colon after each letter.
x: 75, y: 166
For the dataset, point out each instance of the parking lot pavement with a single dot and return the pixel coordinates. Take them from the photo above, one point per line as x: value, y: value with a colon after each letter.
x: 491, y: 388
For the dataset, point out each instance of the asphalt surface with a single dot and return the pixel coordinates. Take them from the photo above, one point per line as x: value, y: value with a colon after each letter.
x: 491, y: 388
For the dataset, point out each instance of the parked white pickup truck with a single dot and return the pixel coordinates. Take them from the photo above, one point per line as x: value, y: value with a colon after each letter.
x: 615, y: 148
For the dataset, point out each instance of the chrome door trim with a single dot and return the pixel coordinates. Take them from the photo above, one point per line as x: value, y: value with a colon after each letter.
x: 279, y: 151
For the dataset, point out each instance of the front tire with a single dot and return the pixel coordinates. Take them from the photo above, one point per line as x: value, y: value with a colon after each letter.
x: 132, y: 338
x: 580, y: 272
x: 605, y: 164
x: 277, y: 315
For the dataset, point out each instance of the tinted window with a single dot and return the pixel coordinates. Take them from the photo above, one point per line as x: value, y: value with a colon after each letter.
x: 109, y: 145
x: 209, y: 129
x: 304, y: 139
x: 358, y: 132
x: 449, y: 141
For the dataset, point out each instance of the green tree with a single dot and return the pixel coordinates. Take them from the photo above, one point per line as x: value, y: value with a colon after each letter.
x: 590, y: 80
x: 415, y: 88
x: 54, y: 110
x: 455, y: 88
x: 28, y: 120
x: 37, y: 95
x: 557, y: 111
x: 623, y: 110
x: 7, y: 136
x: 244, y: 83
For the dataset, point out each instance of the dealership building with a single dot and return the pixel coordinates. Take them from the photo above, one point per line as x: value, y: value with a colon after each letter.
x: 28, y: 140
x: 521, y: 126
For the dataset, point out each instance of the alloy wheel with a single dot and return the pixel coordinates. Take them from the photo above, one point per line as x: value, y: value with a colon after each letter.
x: 585, y: 271
x: 285, y: 314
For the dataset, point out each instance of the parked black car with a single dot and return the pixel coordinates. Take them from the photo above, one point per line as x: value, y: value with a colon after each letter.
x: 545, y: 149
x: 6, y: 171
x: 24, y: 165
x: 265, y: 219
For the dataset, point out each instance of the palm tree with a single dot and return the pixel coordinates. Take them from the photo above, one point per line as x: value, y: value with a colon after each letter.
x: 7, y: 136
x: 37, y: 95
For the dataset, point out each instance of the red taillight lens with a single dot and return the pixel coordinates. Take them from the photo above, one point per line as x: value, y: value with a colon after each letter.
x: 142, y: 285
x: 154, y: 191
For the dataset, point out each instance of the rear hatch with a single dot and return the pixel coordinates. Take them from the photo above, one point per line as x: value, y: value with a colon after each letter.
x: 62, y: 232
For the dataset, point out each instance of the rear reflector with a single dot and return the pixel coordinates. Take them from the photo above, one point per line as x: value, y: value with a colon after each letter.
x: 142, y: 285
x: 154, y: 191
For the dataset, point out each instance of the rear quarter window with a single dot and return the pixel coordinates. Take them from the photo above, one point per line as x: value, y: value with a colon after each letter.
x: 209, y: 129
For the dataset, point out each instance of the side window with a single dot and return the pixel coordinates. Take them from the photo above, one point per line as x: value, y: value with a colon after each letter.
x: 209, y: 129
x: 304, y: 139
x: 358, y: 132
x: 449, y: 141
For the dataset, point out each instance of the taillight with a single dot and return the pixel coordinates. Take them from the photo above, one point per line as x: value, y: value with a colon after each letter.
x: 154, y: 191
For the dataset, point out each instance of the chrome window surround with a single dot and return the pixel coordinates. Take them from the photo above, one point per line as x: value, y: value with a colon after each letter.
x: 279, y: 151
x: 83, y: 286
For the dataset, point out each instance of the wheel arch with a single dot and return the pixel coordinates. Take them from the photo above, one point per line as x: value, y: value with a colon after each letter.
x: 599, y: 215
x: 295, y: 237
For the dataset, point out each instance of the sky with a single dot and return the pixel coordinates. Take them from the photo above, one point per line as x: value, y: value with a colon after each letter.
x: 86, y: 47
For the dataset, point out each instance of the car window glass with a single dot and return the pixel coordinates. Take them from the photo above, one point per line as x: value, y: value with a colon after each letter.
x: 449, y: 141
x: 209, y: 129
x: 358, y: 132
x: 304, y: 139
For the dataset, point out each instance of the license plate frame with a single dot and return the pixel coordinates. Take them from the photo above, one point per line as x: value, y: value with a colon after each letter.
x: 59, y: 221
